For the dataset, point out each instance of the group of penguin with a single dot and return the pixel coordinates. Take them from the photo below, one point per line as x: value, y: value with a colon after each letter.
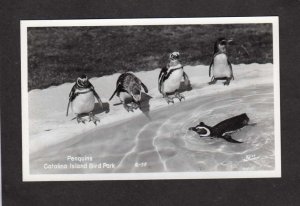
x: 82, y: 95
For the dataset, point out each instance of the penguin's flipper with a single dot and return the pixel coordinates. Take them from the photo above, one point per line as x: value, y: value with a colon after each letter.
x: 72, y: 96
x: 160, y: 86
x: 230, y: 66
x: 117, y: 90
x: 209, y: 70
x: 144, y: 87
x: 163, y: 71
x: 228, y: 138
x: 68, y: 108
x: 72, y: 93
x: 161, y: 78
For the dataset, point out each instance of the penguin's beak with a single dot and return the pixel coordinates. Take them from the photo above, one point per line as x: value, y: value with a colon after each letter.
x: 192, y: 129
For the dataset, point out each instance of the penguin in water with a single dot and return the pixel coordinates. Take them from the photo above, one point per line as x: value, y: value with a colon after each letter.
x: 220, y: 66
x: 223, y: 129
x: 170, y: 77
x: 129, y: 87
x: 82, y: 99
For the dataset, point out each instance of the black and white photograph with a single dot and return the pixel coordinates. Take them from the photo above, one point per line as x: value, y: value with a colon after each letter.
x: 139, y: 99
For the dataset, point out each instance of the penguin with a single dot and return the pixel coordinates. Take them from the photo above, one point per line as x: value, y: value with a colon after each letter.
x: 170, y: 77
x: 129, y: 86
x: 223, y: 129
x: 220, y: 66
x: 82, y: 99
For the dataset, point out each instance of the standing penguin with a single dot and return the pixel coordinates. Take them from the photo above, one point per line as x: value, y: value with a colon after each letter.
x: 170, y: 78
x: 82, y: 99
x: 220, y: 65
x: 129, y: 86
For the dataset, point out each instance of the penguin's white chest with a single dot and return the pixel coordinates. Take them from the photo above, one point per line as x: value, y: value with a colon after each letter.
x: 83, y: 103
x: 173, y: 82
x: 221, y: 67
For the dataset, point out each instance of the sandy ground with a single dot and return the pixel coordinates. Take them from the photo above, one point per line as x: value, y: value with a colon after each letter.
x: 156, y: 138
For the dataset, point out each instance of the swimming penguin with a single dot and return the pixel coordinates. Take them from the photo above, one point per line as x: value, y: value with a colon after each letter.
x: 224, y: 129
x: 170, y: 77
x: 82, y: 99
x: 220, y: 65
x: 129, y: 86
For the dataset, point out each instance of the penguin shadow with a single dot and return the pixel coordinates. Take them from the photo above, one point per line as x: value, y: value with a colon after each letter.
x: 145, y: 105
x: 185, y: 86
x: 98, y: 109
x: 198, y: 85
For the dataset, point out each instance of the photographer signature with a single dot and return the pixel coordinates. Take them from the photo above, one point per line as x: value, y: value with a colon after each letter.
x: 250, y: 158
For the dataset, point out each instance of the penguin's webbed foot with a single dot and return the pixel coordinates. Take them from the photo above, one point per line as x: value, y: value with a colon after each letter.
x: 228, y: 138
x: 134, y: 105
x: 179, y: 96
x: 93, y: 118
x: 227, y: 82
x: 80, y: 119
x: 169, y: 99
x: 128, y: 108
x: 212, y: 82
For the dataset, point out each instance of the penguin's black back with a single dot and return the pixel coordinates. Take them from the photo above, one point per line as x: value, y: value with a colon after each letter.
x: 231, y: 124
x: 127, y: 82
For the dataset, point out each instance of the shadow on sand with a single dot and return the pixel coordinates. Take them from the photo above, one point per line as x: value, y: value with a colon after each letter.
x: 185, y: 86
x: 99, y: 110
x: 145, y: 105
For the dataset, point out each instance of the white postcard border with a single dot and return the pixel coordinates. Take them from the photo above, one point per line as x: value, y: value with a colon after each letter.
x: 24, y: 24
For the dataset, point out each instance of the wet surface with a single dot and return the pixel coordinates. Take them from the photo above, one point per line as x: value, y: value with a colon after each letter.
x: 163, y: 143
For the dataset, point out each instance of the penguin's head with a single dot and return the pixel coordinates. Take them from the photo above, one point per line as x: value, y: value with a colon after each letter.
x: 221, y: 45
x: 202, y: 129
x: 245, y: 119
x: 82, y: 81
x: 136, y: 93
x: 174, y: 56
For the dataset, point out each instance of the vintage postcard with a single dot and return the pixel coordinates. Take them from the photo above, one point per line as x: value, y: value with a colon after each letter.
x: 138, y: 99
